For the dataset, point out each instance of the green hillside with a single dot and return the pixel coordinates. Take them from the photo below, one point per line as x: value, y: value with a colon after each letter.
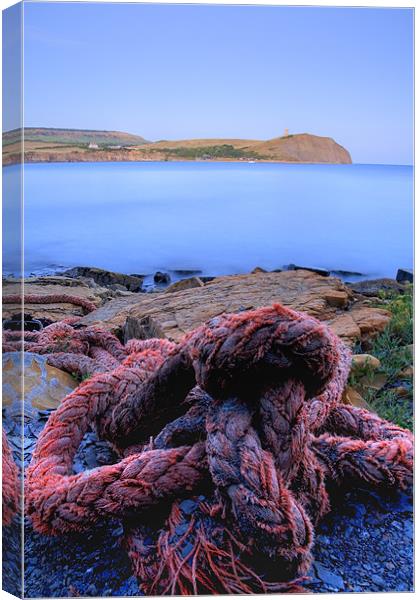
x: 74, y: 137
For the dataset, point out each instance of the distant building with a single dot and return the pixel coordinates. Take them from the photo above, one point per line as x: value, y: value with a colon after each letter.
x: 115, y: 147
x: 93, y: 146
x: 286, y: 132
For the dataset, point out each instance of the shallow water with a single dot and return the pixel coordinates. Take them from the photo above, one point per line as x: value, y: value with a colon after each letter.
x: 218, y: 218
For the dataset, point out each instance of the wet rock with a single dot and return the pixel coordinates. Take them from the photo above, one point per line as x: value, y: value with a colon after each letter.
x: 105, y: 278
x: 186, y: 272
x: 161, y: 278
x: 405, y: 275
x: 343, y: 273
x: 44, y: 387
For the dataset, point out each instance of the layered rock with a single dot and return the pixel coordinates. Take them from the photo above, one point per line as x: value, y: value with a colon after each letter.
x: 51, y: 286
x: 174, y: 314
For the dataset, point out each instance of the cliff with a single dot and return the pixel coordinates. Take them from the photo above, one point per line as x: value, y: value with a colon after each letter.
x: 61, y: 145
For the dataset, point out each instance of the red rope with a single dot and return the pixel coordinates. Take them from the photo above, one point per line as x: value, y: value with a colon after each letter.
x: 245, y: 410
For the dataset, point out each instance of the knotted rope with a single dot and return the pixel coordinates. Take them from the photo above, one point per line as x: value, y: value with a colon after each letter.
x: 239, y: 419
x: 50, y: 299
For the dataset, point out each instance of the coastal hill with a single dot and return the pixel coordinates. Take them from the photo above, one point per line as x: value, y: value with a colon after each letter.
x: 51, y: 135
x: 71, y: 145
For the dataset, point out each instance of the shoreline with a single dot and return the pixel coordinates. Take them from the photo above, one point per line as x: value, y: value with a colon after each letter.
x: 185, y: 160
x: 161, y: 278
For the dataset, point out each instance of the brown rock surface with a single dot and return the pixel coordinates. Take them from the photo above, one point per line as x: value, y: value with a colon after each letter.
x: 361, y: 361
x: 360, y: 323
x: 184, y: 284
x: 172, y: 315
x: 48, y: 286
x: 352, y: 396
x: 43, y: 386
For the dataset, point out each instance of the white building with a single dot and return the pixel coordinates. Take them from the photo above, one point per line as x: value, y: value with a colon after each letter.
x: 93, y: 146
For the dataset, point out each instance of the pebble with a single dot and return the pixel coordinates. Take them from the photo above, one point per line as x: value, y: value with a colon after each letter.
x: 329, y: 578
x: 188, y: 506
x: 377, y: 527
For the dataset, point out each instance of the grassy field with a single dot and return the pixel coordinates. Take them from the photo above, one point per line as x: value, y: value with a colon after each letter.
x: 389, y: 390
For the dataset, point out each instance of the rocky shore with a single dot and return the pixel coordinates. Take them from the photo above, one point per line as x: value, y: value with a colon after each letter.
x: 362, y: 523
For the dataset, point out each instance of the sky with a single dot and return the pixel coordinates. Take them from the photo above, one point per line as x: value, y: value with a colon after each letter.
x: 179, y: 71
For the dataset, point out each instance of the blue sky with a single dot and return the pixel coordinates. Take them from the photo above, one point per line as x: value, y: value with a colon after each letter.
x: 178, y: 71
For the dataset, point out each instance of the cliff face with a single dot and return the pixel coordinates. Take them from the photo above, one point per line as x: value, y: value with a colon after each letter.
x: 298, y: 148
x: 304, y: 147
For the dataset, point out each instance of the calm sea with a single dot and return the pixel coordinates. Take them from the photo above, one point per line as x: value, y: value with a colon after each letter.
x: 218, y: 218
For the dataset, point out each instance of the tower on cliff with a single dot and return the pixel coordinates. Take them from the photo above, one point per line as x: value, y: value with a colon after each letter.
x: 286, y: 132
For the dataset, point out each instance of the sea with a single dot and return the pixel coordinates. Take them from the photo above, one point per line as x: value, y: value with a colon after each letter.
x: 210, y: 218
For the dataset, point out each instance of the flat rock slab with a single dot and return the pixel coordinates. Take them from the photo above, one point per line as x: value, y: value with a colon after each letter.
x: 43, y: 386
x: 49, y: 286
x: 172, y: 315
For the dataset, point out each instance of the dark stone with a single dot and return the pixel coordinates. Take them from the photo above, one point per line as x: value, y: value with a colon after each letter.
x: 187, y: 272
x: 373, y: 287
x: 405, y: 275
x: 342, y: 273
x: 186, y: 550
x: 28, y: 323
x: 377, y: 580
x: 329, y: 578
x: 92, y: 591
x: 188, y: 506
x: 317, y: 270
x: 105, y: 278
x: 181, y: 529
x: 162, y: 278
x: 141, y: 329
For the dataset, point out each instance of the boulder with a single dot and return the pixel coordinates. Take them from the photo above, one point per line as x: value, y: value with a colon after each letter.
x: 132, y: 283
x: 377, y: 382
x: 44, y: 387
x: 178, y: 312
x: 374, y: 287
x: 405, y: 275
x: 407, y: 373
x: 361, y: 361
x: 352, y: 396
x: 371, y: 321
x: 49, y: 286
x: 360, y: 323
x: 184, y: 284
x: 162, y: 278
x: 258, y: 270
x: 337, y: 298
